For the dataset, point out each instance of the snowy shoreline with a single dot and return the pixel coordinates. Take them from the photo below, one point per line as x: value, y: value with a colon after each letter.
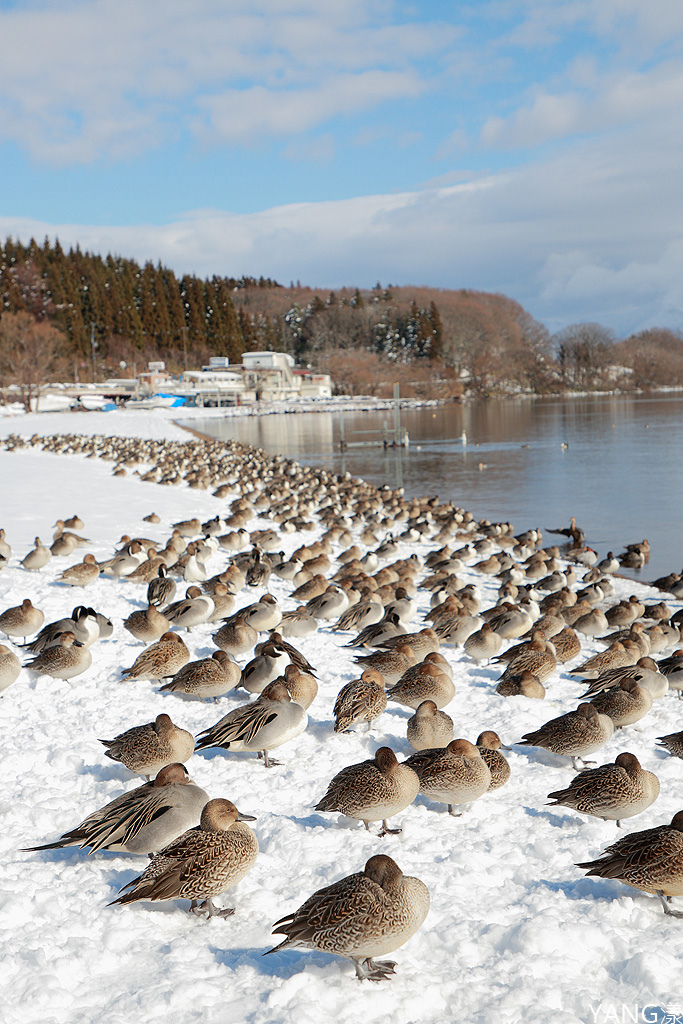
x: 515, y: 931
x: 350, y: 404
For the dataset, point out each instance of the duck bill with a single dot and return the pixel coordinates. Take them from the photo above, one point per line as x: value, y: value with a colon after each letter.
x: 245, y: 817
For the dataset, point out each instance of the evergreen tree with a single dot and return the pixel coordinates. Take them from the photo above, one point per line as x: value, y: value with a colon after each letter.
x: 147, y: 308
x: 436, y: 327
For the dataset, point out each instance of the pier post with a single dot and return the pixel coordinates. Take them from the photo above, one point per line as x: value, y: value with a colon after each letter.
x: 397, y: 415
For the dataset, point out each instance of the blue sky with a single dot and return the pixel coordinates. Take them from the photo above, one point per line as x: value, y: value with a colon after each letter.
x: 532, y: 147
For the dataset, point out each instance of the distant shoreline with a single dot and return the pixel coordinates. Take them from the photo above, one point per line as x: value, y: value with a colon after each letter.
x: 350, y: 404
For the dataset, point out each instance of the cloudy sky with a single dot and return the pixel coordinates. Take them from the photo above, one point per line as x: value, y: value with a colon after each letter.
x: 530, y: 147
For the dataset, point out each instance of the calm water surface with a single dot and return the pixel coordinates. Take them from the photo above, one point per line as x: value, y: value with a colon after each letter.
x: 620, y: 475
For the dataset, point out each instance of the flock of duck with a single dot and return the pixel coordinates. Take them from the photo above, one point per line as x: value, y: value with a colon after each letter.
x: 351, y: 580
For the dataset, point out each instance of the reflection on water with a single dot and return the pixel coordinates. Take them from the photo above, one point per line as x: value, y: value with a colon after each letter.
x: 619, y: 474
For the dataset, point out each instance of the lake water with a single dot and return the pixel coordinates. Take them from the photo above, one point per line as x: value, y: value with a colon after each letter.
x: 620, y: 474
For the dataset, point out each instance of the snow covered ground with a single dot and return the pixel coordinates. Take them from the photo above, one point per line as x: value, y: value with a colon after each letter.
x: 515, y: 932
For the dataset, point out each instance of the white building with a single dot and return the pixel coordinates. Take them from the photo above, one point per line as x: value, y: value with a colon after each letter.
x: 267, y: 376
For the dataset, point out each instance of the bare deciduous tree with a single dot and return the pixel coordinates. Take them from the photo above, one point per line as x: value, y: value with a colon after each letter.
x: 582, y: 351
x: 655, y: 356
x: 30, y: 351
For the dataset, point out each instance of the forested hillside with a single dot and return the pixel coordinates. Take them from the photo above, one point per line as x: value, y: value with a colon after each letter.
x: 122, y: 311
x: 110, y: 310
x: 125, y: 308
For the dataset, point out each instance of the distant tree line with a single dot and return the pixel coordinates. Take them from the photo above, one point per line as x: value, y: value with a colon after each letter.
x: 473, y: 337
x: 120, y: 309
x: 102, y: 311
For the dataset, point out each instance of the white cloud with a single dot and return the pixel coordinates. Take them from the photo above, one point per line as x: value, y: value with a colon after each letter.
x: 594, y: 234
x: 615, y: 99
x: 84, y: 79
x: 549, y: 117
x: 635, y: 27
x: 247, y: 115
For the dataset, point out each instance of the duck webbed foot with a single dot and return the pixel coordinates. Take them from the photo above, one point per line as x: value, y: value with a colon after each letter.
x: 665, y: 904
x: 374, y: 970
x: 208, y: 908
x: 386, y: 831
